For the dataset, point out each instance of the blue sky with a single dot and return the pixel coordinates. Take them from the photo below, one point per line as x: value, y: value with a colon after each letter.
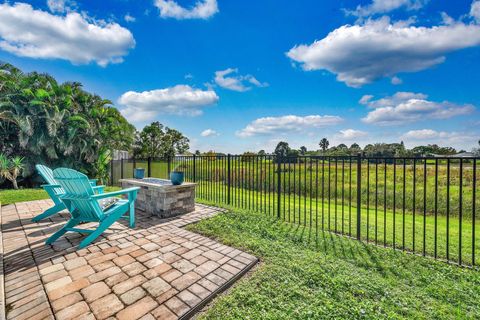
x: 243, y: 75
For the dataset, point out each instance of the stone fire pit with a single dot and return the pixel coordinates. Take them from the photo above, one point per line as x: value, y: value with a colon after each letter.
x: 159, y: 197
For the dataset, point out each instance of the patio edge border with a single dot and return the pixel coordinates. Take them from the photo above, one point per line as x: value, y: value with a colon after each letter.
x: 192, y: 312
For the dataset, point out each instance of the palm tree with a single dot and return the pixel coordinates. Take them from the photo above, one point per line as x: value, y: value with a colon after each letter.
x: 324, y: 144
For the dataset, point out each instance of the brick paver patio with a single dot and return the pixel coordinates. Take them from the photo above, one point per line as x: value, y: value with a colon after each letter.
x: 156, y: 271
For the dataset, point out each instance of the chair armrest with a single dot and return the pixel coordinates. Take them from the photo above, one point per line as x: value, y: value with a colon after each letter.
x: 93, y: 182
x: 115, y: 193
x: 98, y: 189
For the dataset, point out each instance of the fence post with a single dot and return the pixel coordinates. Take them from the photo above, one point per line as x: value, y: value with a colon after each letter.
x: 228, y: 178
x: 149, y: 164
x: 169, y: 160
x: 121, y: 168
x: 194, y: 168
x: 134, y: 166
x: 359, y: 195
x: 111, y: 172
x: 279, y: 186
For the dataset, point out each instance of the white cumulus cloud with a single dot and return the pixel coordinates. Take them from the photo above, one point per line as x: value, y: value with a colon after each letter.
x: 361, y: 54
x: 61, y: 6
x: 350, y: 134
x: 27, y: 32
x: 444, y: 138
x: 203, y: 9
x: 405, y: 107
x: 475, y: 10
x: 209, y: 133
x: 384, y: 6
x: 457, y: 139
x: 177, y: 100
x: 129, y: 18
x: 424, y: 134
x: 226, y: 79
x: 289, y: 123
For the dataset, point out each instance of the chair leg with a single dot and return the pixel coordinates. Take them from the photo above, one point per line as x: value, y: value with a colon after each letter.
x: 104, y: 225
x: 49, y: 212
x: 132, y: 215
x: 70, y: 224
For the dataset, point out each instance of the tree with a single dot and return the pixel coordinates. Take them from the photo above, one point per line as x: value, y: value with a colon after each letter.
x: 174, y: 142
x: 303, y: 150
x: 340, y: 150
x: 157, y: 141
x: 282, y: 149
x: 324, y: 143
x: 284, y: 154
x: 248, y: 156
x: 355, y: 149
x: 151, y: 138
x: 433, y: 149
x: 197, y: 152
x: 262, y: 152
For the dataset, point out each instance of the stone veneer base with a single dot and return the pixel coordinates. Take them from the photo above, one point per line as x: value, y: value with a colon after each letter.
x: 164, y: 201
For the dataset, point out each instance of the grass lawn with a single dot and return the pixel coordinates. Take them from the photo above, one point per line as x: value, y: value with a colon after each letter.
x: 11, y: 196
x: 334, y: 277
x: 376, y: 224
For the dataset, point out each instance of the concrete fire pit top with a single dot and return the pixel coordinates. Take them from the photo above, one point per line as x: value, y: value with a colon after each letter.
x: 157, y: 183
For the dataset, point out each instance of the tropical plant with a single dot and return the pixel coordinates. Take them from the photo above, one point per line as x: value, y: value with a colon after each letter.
x: 57, y: 124
x: 10, y: 169
x: 102, y: 166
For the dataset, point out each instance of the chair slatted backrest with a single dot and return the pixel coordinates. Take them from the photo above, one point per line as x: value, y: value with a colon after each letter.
x: 79, y: 191
x: 47, y: 175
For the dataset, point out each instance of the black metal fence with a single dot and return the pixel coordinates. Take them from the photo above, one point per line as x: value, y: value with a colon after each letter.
x: 422, y: 205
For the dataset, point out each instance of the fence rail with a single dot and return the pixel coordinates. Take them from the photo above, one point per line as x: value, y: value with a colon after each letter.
x: 421, y: 205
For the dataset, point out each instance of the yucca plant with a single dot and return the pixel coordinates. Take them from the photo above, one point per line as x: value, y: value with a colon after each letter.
x: 10, y: 169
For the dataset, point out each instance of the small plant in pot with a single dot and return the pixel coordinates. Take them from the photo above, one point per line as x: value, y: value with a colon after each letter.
x: 177, y: 176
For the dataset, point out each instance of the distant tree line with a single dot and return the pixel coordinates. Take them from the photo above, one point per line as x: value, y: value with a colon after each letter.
x: 284, y: 153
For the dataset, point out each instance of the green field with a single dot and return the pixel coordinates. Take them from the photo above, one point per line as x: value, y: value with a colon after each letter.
x: 332, y: 277
x: 383, y: 227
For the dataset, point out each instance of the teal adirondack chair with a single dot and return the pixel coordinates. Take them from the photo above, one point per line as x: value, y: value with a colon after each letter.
x: 54, y: 191
x: 80, y: 196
